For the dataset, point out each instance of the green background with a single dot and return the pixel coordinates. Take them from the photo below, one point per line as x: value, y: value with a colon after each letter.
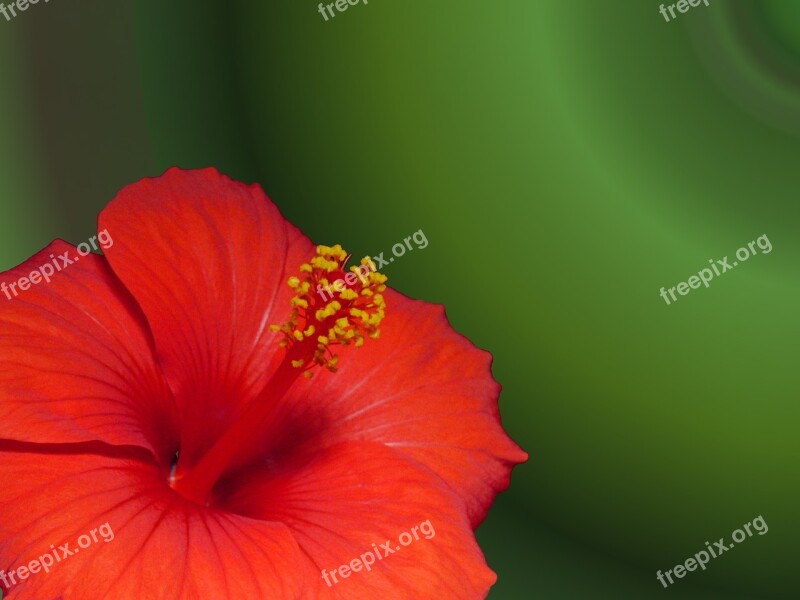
x: 565, y: 158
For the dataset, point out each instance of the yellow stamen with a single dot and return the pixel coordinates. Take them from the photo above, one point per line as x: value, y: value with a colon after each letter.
x: 324, y: 301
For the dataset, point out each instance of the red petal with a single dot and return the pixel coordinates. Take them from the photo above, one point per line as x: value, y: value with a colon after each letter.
x: 206, y: 257
x: 352, y: 496
x: 77, y: 363
x: 163, y: 548
x: 420, y: 388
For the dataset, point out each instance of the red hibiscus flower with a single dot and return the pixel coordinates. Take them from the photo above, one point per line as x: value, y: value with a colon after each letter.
x: 161, y: 438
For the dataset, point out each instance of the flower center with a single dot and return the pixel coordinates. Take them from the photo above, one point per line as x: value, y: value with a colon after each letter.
x: 331, y: 307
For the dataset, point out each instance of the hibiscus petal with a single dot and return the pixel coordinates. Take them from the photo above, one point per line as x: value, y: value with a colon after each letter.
x: 420, y: 388
x: 76, y: 360
x: 206, y: 257
x: 350, y: 500
x: 155, y: 545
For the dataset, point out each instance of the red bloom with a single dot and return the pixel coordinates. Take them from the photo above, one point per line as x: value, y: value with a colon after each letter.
x: 164, y: 346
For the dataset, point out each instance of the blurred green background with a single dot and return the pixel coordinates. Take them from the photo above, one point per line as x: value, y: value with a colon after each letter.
x: 565, y: 158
